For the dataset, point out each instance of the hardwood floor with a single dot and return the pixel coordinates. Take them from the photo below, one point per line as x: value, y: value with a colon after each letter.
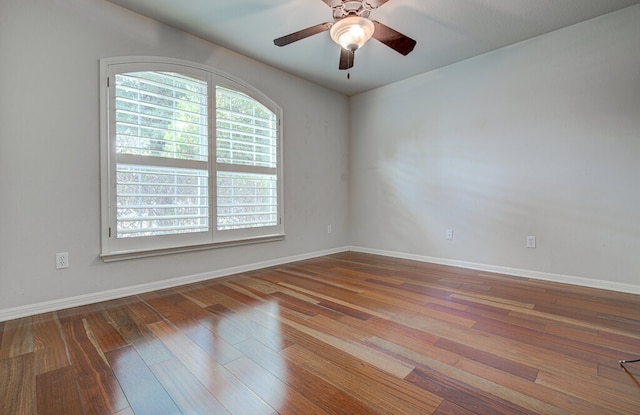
x: 344, y: 334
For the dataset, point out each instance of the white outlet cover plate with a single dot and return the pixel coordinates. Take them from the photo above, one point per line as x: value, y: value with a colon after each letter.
x: 62, y: 260
x: 531, y: 241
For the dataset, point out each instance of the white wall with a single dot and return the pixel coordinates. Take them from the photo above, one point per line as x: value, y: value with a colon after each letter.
x: 49, y: 151
x: 540, y: 138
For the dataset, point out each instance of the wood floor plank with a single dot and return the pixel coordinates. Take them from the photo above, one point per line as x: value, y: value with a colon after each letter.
x: 371, y: 388
x: 212, y: 340
x: 257, y: 285
x: 17, y: 385
x: 601, y: 390
x: 567, y: 346
x: 478, y: 383
x: 449, y: 408
x: 165, y: 303
x: 225, y: 387
x: 322, y: 296
x: 522, y: 389
x: 246, y: 320
x: 625, y: 338
x: 17, y: 338
x: 143, y: 391
x: 103, y: 333
x: 241, y: 285
x: 50, y: 350
x: 484, y: 312
x: 224, y: 327
x: 393, y: 295
x: 214, y: 345
x: 57, y: 393
x: 143, y: 312
x: 343, y: 360
x: 321, y: 281
x: 489, y: 359
x: 201, y: 294
x: 448, y: 315
x: 381, y: 361
x: 271, y: 389
x: 346, y: 310
x: 78, y: 313
x: 100, y: 391
x: 310, y: 307
x: 533, y: 390
x: 628, y: 376
x: 316, y: 389
x: 463, y: 395
x: 237, y: 294
x: 395, y: 331
x: 617, y: 308
x: 517, y: 351
x: 192, y: 309
x: 336, y: 328
x: 187, y: 392
x: 136, y: 333
x: 107, y: 337
x: 524, y: 309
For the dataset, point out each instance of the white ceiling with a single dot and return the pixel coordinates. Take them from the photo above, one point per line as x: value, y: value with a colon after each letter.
x: 447, y: 31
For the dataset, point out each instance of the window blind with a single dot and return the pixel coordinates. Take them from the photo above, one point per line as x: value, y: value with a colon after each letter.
x: 246, y: 155
x: 162, y: 154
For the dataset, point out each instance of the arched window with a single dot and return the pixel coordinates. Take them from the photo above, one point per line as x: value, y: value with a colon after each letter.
x: 191, y: 159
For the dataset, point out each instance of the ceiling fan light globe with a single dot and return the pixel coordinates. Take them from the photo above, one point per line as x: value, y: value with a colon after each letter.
x: 352, y: 32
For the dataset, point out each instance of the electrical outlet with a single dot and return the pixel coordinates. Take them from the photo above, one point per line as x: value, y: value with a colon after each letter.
x: 531, y: 241
x: 62, y: 260
x: 449, y: 234
x: 328, y: 228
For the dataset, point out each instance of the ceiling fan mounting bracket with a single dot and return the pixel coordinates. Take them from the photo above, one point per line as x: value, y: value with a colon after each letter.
x: 352, y: 8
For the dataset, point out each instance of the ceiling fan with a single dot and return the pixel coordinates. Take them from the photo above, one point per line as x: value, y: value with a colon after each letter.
x: 352, y: 28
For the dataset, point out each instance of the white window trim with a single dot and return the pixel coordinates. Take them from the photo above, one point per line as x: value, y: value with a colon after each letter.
x: 113, y: 250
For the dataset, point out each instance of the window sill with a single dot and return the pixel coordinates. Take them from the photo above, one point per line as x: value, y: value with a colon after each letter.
x: 124, y: 255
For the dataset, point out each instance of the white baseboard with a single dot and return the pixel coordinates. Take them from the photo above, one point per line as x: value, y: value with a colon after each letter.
x: 54, y: 305
x: 516, y: 272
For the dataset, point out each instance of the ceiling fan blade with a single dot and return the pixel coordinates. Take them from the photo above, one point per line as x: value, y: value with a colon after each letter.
x: 374, y: 4
x: 302, y: 34
x: 394, y: 39
x: 346, y: 59
x: 333, y: 3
